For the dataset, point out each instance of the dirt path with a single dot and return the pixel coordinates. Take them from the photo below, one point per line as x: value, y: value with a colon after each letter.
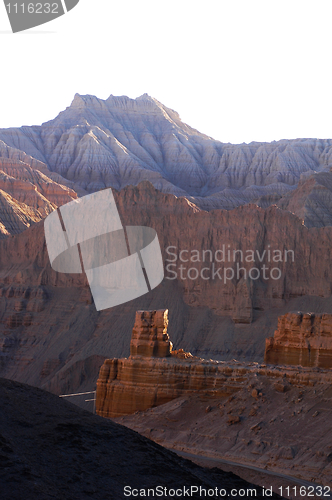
x: 258, y: 476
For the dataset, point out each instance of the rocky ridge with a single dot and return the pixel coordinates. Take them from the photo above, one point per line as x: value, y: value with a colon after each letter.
x: 310, y: 201
x: 27, y: 194
x: 97, y: 143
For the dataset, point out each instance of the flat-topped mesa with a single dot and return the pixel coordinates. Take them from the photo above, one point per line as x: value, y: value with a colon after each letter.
x: 150, y: 337
x: 301, y: 339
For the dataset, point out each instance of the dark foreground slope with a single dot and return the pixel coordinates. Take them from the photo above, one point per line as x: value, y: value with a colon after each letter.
x: 50, y: 449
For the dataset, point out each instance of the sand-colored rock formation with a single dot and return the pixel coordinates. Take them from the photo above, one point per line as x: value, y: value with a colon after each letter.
x: 151, y: 375
x: 301, y: 339
x: 147, y: 380
x: 150, y: 337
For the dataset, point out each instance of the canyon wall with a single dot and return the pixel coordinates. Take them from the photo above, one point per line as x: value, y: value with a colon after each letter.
x: 301, y: 339
x: 49, y: 318
x: 235, y: 262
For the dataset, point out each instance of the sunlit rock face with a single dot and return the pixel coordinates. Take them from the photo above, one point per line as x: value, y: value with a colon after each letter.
x: 150, y: 337
x: 96, y: 143
x: 301, y: 339
x: 153, y: 374
x: 27, y: 193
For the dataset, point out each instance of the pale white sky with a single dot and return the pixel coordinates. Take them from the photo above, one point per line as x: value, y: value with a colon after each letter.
x: 238, y: 70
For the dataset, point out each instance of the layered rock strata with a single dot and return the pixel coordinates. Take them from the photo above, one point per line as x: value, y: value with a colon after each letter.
x: 134, y: 384
x: 150, y: 337
x: 207, y: 317
x: 34, y: 187
x: 301, y: 339
x: 146, y: 380
x: 151, y: 375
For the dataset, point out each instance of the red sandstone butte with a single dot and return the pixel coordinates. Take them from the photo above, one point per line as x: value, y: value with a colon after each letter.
x: 150, y: 337
x: 301, y: 339
x: 153, y: 374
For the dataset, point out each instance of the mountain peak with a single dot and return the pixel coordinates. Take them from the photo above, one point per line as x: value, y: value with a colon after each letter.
x: 144, y: 96
x: 142, y: 104
x: 97, y: 143
x: 80, y: 101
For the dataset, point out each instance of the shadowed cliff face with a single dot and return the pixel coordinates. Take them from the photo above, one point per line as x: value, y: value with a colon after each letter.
x: 49, y: 327
x: 97, y: 143
x: 311, y: 200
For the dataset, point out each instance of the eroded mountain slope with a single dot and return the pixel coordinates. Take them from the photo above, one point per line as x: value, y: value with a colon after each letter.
x: 97, y: 143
